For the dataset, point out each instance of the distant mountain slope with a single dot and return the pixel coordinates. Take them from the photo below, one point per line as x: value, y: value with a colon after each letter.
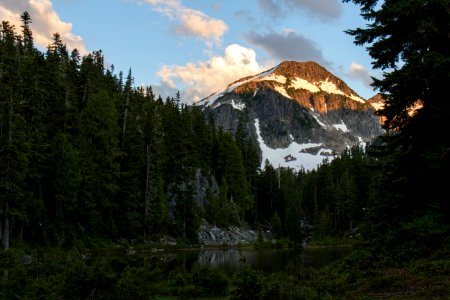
x: 297, y: 112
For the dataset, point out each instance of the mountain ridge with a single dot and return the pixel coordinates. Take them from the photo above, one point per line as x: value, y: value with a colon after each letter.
x: 297, y: 78
x: 297, y: 110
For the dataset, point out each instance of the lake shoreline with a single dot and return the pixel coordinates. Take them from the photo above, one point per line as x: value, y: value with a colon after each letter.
x: 55, y: 271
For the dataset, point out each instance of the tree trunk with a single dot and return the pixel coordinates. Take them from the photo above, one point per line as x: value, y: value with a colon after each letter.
x: 1, y: 225
x: 125, y: 117
x: 66, y: 109
x: 147, y: 193
x: 5, y: 234
x: 85, y: 90
x: 5, y: 221
x: 184, y: 217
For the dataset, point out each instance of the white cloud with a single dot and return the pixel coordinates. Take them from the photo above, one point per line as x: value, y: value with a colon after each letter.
x: 192, y: 22
x: 357, y: 71
x: 196, y: 23
x: 201, y: 79
x: 45, y: 22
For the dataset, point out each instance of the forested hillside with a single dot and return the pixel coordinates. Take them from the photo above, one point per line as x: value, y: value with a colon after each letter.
x: 87, y: 159
x: 86, y: 155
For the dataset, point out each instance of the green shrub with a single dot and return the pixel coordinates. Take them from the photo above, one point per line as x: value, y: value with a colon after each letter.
x: 247, y: 284
x: 211, y: 282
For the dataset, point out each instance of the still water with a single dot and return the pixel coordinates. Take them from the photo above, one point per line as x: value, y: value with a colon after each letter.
x: 232, y: 260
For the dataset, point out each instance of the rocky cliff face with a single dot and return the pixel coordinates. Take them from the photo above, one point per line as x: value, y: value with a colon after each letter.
x: 298, y: 113
x: 377, y: 103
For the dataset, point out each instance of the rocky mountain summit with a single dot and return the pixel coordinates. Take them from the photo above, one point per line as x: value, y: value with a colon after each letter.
x: 298, y: 113
x: 377, y: 101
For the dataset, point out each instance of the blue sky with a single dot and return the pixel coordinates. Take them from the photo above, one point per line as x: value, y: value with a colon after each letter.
x: 199, y: 46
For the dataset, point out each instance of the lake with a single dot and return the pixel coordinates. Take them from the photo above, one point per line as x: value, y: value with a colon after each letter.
x: 268, y: 260
x: 141, y: 275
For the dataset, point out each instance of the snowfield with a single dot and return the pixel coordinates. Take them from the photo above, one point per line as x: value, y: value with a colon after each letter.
x: 291, y: 156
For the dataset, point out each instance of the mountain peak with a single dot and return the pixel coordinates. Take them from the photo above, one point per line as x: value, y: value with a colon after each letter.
x: 377, y: 101
x: 298, y: 68
x: 297, y: 112
x: 317, y: 75
x: 297, y: 81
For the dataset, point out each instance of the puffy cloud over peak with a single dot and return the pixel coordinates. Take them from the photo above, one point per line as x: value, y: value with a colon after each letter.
x: 201, y: 79
x: 45, y: 22
x: 357, y: 71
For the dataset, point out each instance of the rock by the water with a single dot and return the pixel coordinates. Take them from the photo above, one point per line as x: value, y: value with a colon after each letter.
x: 211, y: 235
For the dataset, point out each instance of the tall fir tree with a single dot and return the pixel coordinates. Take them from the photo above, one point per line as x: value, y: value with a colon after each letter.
x: 409, y: 41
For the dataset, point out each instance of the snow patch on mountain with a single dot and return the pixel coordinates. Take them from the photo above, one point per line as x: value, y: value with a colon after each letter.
x: 299, y: 83
x: 282, y: 91
x: 212, y: 99
x: 329, y: 87
x: 377, y: 106
x: 361, y: 142
x: 216, y: 105
x: 278, y: 78
x: 318, y: 121
x: 356, y: 98
x: 294, y: 156
x: 341, y: 126
x: 208, y: 101
x: 265, y: 73
x: 238, y: 106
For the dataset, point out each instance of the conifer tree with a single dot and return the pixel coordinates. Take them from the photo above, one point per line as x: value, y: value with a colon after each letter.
x: 155, y: 204
x: 277, y: 228
x: 409, y: 40
x: 231, y: 167
x: 127, y: 91
x: 13, y: 143
x: 27, y: 35
x: 99, y: 169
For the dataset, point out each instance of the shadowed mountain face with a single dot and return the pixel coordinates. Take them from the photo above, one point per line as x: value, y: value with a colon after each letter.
x: 298, y: 113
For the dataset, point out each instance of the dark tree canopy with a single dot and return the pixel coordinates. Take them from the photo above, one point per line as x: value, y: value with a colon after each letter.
x: 84, y: 155
x: 409, y: 40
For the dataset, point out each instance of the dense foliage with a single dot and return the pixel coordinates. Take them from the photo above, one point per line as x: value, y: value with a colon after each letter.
x: 408, y: 211
x: 84, y: 274
x: 87, y: 156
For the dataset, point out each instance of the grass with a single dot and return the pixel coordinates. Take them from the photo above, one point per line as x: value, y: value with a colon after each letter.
x: 361, y: 275
x: 332, y: 241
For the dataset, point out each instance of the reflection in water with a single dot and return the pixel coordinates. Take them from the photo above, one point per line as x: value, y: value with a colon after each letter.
x: 232, y: 260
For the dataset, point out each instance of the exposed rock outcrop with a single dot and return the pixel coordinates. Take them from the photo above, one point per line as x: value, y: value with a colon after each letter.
x: 211, y: 235
x: 203, y: 186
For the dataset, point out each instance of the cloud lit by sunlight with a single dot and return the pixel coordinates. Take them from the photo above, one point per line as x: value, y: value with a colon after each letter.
x: 192, y: 22
x: 45, y: 22
x: 200, y: 79
x: 357, y: 71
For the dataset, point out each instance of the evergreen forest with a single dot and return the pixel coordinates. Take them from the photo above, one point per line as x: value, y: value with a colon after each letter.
x: 87, y: 158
